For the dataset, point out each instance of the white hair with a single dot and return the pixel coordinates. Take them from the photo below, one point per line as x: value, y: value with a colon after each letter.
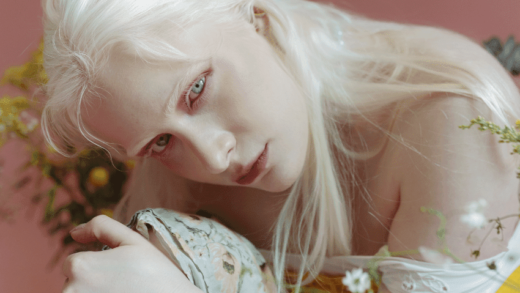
x: 346, y: 66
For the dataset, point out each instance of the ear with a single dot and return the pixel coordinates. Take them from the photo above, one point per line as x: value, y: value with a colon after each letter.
x: 263, y: 27
x: 261, y: 21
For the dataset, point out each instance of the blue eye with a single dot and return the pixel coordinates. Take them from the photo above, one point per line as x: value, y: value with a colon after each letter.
x: 198, y: 86
x: 196, y: 89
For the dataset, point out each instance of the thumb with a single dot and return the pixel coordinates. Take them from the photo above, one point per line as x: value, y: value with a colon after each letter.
x: 107, y: 231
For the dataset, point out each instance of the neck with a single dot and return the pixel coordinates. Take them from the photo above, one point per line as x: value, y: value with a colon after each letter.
x: 247, y: 211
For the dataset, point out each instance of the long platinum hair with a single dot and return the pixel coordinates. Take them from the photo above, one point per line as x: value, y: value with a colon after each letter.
x: 346, y: 66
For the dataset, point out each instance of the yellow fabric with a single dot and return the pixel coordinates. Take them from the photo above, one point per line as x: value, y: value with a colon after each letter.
x: 512, y: 284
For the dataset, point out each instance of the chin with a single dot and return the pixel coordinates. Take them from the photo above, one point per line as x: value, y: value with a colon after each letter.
x: 279, y: 185
x: 277, y: 188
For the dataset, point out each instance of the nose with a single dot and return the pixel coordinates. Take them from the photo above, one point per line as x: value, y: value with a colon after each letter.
x: 213, y: 149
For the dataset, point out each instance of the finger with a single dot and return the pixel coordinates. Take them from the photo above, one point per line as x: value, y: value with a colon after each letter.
x: 107, y: 231
x: 67, y: 287
x: 66, y: 267
x: 69, y: 269
x: 75, y: 264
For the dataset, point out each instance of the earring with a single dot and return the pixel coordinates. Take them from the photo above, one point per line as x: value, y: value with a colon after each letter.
x: 268, y: 33
x: 258, y: 12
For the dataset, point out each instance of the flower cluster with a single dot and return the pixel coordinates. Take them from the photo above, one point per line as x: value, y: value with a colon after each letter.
x: 91, y: 183
x: 12, y: 114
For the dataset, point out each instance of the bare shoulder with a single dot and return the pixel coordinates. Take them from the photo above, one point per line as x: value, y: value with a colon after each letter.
x: 445, y: 168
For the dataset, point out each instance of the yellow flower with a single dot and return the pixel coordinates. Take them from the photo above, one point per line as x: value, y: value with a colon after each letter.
x: 51, y: 149
x: 84, y: 153
x: 107, y: 212
x: 518, y: 123
x: 98, y: 176
x: 11, y: 107
x: 14, y: 75
x: 28, y: 74
x: 130, y: 164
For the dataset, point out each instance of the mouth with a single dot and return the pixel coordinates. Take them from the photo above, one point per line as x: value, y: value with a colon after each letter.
x: 255, y: 170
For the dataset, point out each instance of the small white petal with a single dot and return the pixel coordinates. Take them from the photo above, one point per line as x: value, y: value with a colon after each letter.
x: 32, y: 125
x: 474, y: 220
x: 476, y: 206
x: 474, y: 216
x: 435, y: 257
x: 356, y: 273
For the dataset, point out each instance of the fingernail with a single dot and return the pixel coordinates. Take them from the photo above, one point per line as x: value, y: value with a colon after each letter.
x: 77, y: 228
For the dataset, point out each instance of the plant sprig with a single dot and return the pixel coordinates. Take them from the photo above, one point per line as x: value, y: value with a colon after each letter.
x: 507, y: 134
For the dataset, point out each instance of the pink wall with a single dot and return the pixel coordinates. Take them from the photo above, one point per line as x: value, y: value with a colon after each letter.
x: 24, y: 248
x: 478, y: 19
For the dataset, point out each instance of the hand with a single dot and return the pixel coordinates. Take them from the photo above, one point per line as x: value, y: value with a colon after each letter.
x: 132, y: 265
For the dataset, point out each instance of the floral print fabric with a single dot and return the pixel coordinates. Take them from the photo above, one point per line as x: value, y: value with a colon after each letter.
x: 214, y: 258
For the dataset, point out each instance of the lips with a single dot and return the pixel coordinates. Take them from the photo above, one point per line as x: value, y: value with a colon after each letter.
x: 255, y: 169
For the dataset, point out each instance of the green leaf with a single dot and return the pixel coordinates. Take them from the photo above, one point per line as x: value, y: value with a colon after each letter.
x: 49, y: 208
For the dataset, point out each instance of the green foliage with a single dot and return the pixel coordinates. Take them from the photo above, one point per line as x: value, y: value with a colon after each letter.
x: 91, y: 183
x: 441, y: 231
x: 507, y: 134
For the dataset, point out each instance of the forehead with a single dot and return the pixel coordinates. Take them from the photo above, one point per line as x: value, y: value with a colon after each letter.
x: 132, y: 91
x: 193, y: 42
x: 198, y: 43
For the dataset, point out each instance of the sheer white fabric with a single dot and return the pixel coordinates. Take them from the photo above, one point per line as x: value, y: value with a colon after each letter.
x: 402, y: 275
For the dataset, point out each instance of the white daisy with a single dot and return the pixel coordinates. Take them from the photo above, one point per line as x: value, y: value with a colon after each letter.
x: 357, y: 281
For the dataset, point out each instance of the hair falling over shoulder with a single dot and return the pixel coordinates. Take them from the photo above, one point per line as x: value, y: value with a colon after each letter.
x: 345, y: 64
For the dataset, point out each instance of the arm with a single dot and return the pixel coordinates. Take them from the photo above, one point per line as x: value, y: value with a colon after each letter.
x: 445, y: 168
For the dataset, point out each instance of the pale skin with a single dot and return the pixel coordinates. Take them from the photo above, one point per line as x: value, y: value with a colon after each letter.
x: 250, y: 101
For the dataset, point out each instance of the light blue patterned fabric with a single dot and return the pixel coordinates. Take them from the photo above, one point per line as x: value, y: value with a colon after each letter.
x: 213, y: 257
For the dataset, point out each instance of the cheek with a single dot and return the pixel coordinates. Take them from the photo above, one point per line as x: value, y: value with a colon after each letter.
x: 182, y: 162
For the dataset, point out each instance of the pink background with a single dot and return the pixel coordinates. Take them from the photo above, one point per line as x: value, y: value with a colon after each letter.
x: 25, y: 251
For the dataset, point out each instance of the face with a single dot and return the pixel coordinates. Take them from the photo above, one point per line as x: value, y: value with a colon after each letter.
x: 236, y: 118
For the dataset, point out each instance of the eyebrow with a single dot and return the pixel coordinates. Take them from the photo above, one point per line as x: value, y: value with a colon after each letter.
x: 193, y: 71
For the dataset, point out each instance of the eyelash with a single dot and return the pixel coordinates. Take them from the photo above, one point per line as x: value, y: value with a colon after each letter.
x: 193, y: 106
x: 150, y: 152
x: 201, y: 95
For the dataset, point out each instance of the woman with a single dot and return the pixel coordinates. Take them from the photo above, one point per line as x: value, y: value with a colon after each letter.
x: 299, y: 126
